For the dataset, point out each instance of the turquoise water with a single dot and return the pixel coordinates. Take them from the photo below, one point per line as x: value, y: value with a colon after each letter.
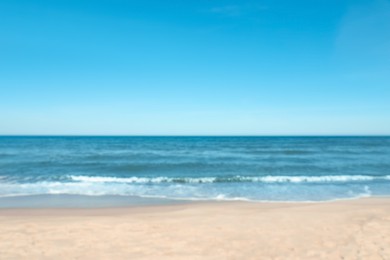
x: 196, y: 168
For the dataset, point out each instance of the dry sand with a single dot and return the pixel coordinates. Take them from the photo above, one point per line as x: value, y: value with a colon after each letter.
x: 356, y: 229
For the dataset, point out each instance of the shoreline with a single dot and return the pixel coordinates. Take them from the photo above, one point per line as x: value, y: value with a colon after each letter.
x: 139, y: 208
x: 181, y: 204
x: 73, y: 201
x: 349, y: 229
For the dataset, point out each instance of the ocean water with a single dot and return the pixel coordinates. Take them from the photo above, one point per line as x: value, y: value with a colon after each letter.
x: 196, y: 168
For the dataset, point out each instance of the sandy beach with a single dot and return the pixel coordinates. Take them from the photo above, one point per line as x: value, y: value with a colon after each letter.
x: 355, y: 229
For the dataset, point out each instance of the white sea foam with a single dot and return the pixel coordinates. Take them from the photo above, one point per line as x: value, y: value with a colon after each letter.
x: 329, y: 178
x: 264, y: 179
x: 183, y: 191
x: 141, y: 179
x: 237, y: 188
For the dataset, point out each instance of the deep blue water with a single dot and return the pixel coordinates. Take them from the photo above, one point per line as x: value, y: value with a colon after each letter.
x: 197, y: 168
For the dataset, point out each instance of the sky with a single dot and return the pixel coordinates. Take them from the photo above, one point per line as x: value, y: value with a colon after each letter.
x: 195, y: 67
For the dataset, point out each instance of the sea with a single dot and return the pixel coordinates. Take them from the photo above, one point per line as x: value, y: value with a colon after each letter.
x: 87, y: 171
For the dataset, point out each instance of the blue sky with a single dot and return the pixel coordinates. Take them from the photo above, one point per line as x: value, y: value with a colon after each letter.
x: 195, y: 67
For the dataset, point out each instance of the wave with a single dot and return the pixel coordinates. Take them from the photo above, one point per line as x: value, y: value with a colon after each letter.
x: 261, y: 179
x: 102, y: 186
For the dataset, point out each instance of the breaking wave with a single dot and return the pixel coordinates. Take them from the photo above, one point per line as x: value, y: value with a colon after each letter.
x: 264, y: 179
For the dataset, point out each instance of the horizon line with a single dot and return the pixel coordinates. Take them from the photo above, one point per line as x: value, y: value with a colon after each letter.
x: 139, y: 135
